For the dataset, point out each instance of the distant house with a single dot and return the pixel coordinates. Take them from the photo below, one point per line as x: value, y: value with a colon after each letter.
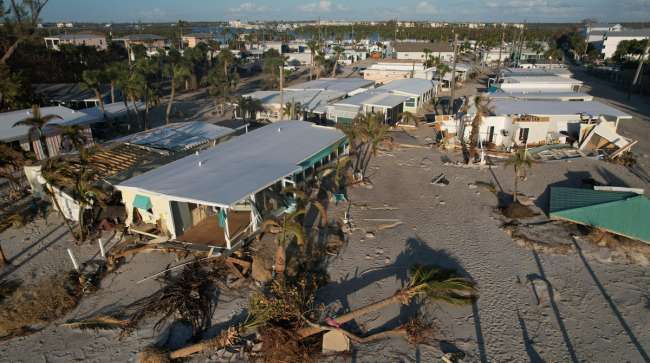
x: 192, y: 40
x: 390, y: 99
x: 87, y: 39
x: 612, y: 39
x: 216, y: 199
x: 152, y: 43
x: 72, y: 95
x: 390, y: 105
x: 313, y: 97
x: 415, y: 50
x: 418, y: 91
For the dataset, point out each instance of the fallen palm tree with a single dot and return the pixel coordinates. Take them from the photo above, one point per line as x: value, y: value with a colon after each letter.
x: 427, y: 283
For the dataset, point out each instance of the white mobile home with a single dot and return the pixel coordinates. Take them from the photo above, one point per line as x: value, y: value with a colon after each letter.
x: 518, y: 122
x: 219, y: 197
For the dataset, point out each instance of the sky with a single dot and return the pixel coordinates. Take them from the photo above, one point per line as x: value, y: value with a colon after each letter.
x: 434, y: 10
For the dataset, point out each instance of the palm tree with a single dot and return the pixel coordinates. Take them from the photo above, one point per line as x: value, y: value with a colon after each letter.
x: 313, y: 48
x: 288, y: 230
x: 427, y: 61
x: 483, y: 108
x: 77, y: 178
x: 338, y: 51
x: 520, y: 162
x: 178, y: 72
x: 427, y: 283
x: 293, y: 110
x: 112, y: 73
x: 227, y: 59
x: 408, y: 117
x: 371, y: 130
x: 319, y: 61
x: 121, y: 72
x: 36, y: 124
x: 249, y: 107
x: 92, y: 80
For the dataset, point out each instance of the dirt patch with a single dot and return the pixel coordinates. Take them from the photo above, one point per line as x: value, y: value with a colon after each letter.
x: 518, y: 211
x: 30, y: 306
x: 610, y: 248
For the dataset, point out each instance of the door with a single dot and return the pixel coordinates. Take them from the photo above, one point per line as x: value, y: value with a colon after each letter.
x: 523, y: 135
x: 490, y: 138
x: 182, y: 217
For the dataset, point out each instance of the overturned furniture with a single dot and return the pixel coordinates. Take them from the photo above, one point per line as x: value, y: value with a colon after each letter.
x: 219, y: 197
x: 621, y: 211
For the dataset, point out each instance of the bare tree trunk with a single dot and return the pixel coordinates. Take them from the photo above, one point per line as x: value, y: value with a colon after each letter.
x: 99, y: 97
x: 3, y: 258
x: 50, y: 191
x: 514, y: 194
x: 112, y: 91
x: 171, y: 100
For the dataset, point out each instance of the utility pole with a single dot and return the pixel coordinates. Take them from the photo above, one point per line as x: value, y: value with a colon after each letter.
x: 500, y: 51
x: 635, y: 80
x: 453, y: 76
x: 281, y: 89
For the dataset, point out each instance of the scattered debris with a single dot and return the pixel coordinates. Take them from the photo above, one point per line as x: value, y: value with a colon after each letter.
x: 389, y: 225
x: 335, y: 341
x: 440, y: 180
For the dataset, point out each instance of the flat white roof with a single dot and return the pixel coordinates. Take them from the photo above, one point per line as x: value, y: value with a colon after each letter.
x: 381, y: 99
x: 555, y: 108
x: 69, y: 117
x: 550, y: 79
x: 537, y: 94
x: 346, y: 85
x: 178, y: 136
x: 411, y: 86
x: 231, y: 171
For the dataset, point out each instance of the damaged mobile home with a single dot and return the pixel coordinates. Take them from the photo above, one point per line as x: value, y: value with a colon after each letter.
x: 126, y: 157
x: 515, y: 123
x: 217, y: 198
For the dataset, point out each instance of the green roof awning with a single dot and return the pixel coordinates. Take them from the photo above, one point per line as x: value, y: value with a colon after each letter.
x: 620, y: 213
x: 142, y: 202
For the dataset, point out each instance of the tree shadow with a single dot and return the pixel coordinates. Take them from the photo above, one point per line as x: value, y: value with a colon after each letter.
x: 11, y: 268
x: 612, y: 305
x: 611, y: 178
x: 554, y: 307
x: 574, y: 179
x: 533, y: 356
x: 416, y: 252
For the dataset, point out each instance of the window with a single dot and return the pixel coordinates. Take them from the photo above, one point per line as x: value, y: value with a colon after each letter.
x: 410, y: 102
x: 523, y: 134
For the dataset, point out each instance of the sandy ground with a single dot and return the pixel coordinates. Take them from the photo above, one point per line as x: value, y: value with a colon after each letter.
x: 599, y: 312
x: 532, y: 306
